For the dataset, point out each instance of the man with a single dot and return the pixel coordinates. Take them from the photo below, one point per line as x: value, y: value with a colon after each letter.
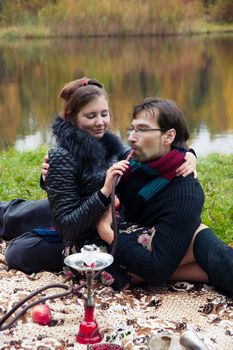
x: 152, y: 196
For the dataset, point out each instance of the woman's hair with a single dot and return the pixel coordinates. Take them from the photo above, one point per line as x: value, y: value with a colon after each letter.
x: 78, y: 93
x: 168, y: 116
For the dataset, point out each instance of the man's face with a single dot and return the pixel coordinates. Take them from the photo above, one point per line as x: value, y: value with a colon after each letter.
x: 147, y: 144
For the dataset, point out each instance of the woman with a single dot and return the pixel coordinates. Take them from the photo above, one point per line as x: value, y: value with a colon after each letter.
x: 76, y: 182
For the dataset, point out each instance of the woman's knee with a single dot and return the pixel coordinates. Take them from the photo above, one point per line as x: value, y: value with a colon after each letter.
x: 31, y: 253
x: 16, y: 256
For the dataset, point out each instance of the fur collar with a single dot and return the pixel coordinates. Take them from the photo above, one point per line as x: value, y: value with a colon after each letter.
x: 84, y: 147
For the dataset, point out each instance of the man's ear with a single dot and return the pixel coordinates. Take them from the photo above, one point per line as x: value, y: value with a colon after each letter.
x: 169, y: 136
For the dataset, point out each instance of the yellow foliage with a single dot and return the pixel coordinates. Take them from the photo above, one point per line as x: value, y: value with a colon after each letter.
x: 105, y: 17
x: 222, y: 11
x: 18, y: 11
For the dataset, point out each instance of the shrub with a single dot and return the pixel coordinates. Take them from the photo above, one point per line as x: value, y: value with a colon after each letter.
x: 20, y: 11
x: 103, y: 17
x: 120, y: 17
x: 222, y: 11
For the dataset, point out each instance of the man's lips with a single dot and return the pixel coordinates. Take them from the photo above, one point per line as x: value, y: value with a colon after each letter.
x: 133, y: 152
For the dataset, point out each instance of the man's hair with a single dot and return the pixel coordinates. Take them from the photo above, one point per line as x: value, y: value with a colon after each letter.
x: 168, y: 116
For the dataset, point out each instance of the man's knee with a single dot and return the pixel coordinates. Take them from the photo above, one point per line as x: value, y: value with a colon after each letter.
x: 200, y: 228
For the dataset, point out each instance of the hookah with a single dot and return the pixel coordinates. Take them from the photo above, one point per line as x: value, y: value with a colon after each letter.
x: 89, y: 260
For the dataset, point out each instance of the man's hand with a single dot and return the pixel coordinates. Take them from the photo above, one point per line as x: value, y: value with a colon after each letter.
x: 45, y: 166
x: 189, y: 166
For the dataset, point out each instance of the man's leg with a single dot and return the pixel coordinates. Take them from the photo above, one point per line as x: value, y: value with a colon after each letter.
x: 189, y: 257
x: 31, y: 253
x: 215, y: 257
x: 190, y: 272
x: 188, y: 269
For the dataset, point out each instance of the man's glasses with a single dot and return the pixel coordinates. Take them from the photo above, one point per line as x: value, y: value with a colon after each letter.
x: 141, y: 131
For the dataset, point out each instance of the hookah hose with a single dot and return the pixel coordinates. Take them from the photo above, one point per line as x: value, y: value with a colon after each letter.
x: 62, y: 286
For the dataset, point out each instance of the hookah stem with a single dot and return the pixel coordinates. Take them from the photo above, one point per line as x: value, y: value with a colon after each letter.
x: 114, y: 220
x: 63, y: 286
x: 89, y: 282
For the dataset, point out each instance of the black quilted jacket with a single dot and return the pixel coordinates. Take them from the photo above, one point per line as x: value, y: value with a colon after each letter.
x: 77, y: 169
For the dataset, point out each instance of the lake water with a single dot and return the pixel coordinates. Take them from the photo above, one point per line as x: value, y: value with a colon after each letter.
x: 195, y: 71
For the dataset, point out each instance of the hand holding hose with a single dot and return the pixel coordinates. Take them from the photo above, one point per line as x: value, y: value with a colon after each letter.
x: 116, y: 170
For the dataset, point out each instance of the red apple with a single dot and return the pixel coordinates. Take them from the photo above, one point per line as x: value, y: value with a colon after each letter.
x: 41, y: 314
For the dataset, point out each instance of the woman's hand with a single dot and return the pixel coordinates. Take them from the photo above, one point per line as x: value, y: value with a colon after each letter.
x: 116, y: 169
x: 189, y: 166
x: 45, y: 166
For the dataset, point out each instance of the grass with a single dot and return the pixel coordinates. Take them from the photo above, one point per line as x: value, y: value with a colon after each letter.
x: 216, y: 177
x: 20, y: 172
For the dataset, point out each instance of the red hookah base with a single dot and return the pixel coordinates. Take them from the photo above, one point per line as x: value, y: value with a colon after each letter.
x: 88, y: 333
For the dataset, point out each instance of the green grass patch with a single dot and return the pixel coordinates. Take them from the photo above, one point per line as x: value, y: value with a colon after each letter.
x: 216, y: 176
x: 20, y: 173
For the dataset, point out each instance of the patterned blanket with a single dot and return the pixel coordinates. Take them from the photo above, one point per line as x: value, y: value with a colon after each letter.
x: 127, y: 318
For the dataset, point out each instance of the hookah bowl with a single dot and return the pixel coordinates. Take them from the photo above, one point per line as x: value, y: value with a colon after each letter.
x: 89, y: 261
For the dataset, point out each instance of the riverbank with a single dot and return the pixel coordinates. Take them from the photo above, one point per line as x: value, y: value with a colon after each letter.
x: 71, y: 18
x: 29, y: 31
x: 19, y: 177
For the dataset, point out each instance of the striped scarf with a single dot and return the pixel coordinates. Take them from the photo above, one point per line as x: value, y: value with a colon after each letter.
x: 159, y: 173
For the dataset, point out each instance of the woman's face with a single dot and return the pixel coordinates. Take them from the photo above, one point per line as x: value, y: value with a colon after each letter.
x: 94, y: 118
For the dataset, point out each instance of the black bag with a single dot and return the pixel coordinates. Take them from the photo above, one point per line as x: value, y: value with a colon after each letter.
x: 19, y: 216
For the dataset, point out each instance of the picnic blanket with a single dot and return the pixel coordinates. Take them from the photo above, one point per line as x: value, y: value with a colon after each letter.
x: 127, y: 318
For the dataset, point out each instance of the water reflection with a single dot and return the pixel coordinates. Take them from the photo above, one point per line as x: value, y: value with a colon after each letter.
x: 205, y: 143
x: 197, y: 72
